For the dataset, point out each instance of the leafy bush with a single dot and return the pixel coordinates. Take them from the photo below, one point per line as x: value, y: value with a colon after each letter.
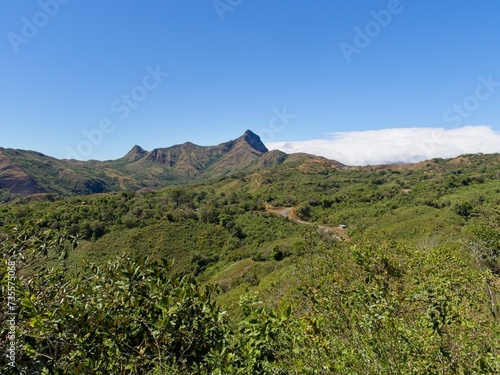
x: 131, y: 316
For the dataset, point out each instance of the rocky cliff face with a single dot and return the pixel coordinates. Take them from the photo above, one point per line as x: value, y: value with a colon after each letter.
x: 195, y: 160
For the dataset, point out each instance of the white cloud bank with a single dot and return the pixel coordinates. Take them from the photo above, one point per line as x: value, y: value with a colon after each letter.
x: 398, y: 145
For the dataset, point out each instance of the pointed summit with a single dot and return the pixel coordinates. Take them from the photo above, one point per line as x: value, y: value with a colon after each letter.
x: 135, y: 154
x: 254, y: 141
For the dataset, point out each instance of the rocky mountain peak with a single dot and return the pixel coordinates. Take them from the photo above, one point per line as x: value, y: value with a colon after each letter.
x: 136, y: 153
x: 254, y: 141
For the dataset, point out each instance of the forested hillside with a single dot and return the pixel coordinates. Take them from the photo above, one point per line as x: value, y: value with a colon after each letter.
x: 24, y: 173
x: 212, y: 278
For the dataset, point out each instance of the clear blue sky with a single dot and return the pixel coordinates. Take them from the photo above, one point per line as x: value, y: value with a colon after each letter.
x: 234, y: 69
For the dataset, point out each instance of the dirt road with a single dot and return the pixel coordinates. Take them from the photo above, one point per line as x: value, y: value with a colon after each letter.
x: 289, y: 212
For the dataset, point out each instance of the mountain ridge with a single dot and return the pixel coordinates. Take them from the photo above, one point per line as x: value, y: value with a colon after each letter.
x: 24, y: 173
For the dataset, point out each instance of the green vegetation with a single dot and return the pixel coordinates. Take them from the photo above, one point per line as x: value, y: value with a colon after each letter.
x: 27, y: 172
x: 211, y: 279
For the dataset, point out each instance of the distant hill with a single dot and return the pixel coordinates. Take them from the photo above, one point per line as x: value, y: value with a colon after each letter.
x: 25, y: 173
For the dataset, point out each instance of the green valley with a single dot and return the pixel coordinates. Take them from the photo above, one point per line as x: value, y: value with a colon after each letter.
x: 181, y: 263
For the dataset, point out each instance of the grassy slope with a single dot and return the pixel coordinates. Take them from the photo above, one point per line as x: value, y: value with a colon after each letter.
x: 220, y: 232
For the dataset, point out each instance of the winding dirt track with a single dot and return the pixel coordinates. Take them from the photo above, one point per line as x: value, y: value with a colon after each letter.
x: 289, y: 212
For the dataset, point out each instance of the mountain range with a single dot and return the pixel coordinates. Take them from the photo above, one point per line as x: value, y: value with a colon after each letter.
x: 24, y: 173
